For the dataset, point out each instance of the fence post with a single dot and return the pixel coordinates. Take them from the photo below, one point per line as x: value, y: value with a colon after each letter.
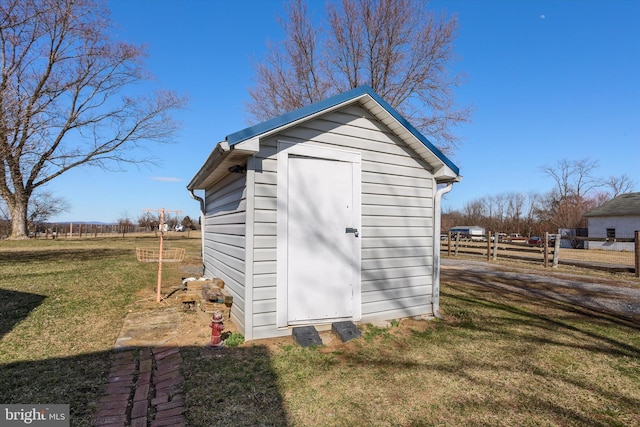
x: 496, y: 237
x: 449, y: 244
x: 637, y: 252
x: 556, y: 251
x: 488, y: 246
x: 546, y: 249
x: 457, y: 243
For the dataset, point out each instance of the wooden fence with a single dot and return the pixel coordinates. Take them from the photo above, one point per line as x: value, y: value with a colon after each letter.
x: 69, y: 230
x: 619, y: 255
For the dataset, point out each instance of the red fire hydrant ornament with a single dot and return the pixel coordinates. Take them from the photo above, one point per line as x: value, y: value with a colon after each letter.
x: 217, y: 326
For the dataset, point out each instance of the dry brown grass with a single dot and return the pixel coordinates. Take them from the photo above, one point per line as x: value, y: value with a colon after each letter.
x: 498, y: 358
x: 62, y: 303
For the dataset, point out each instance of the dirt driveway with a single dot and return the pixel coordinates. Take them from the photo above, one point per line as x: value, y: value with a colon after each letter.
x: 618, y: 298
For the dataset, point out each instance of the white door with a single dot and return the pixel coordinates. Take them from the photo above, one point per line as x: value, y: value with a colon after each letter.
x: 323, y: 246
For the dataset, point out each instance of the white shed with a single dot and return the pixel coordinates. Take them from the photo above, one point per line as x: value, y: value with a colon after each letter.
x: 619, y: 218
x: 325, y: 214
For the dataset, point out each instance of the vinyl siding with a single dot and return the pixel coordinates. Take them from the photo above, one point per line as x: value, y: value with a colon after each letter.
x: 225, y: 228
x: 264, y: 248
x: 397, y: 218
x: 625, y: 227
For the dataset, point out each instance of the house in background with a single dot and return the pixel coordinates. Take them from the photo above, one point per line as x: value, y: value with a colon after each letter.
x: 619, y: 218
x: 325, y: 214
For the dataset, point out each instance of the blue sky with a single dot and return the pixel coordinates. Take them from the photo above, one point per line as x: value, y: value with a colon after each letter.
x: 547, y: 80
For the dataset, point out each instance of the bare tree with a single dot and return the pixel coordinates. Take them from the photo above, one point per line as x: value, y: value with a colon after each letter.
x: 398, y: 47
x: 451, y: 218
x: 125, y: 223
x: 498, y: 211
x: 5, y: 216
x: 43, y: 206
x: 473, y: 211
x: 575, y: 192
x: 568, y: 212
x: 62, y: 97
x: 573, y: 178
x: 171, y: 221
x: 515, y: 210
x: 149, y: 221
x: 531, y: 223
x: 505, y: 212
x: 619, y: 185
x: 490, y: 222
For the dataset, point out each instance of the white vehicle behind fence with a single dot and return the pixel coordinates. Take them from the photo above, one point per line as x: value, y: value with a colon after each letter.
x: 472, y: 232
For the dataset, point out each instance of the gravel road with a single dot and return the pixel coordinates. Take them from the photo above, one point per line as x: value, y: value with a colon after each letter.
x: 620, y: 298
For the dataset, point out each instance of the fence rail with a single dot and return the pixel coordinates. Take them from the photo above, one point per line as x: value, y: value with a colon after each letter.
x: 552, y: 250
x: 67, y: 230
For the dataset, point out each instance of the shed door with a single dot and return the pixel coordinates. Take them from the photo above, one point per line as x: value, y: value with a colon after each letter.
x: 323, y: 253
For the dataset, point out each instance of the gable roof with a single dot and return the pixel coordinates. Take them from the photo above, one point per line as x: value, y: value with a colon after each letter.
x: 623, y: 205
x: 246, y: 141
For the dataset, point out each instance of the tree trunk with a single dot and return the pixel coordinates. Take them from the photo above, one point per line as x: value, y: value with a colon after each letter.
x: 18, y: 221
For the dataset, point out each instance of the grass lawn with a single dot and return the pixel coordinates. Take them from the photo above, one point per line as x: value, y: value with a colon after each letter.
x: 62, y: 303
x: 496, y: 359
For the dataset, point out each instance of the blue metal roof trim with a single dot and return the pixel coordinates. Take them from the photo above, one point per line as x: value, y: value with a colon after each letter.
x: 317, y: 107
x: 292, y: 116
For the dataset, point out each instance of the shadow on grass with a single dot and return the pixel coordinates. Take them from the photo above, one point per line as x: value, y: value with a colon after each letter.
x: 32, y: 265
x: 538, y: 359
x: 15, y: 306
x: 233, y: 386
x: 554, y: 312
x: 551, y: 327
x: 600, y: 304
x: 532, y: 316
x: 45, y: 256
x: 76, y: 380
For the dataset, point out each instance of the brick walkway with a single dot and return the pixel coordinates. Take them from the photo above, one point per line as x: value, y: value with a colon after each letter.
x: 143, y: 390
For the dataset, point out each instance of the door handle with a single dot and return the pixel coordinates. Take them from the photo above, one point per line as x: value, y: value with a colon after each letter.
x: 352, y: 230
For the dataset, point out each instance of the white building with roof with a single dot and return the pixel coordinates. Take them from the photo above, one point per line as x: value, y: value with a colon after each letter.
x: 325, y: 214
x: 619, y: 218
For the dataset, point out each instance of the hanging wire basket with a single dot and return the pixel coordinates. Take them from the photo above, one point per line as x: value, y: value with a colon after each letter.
x: 153, y: 254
